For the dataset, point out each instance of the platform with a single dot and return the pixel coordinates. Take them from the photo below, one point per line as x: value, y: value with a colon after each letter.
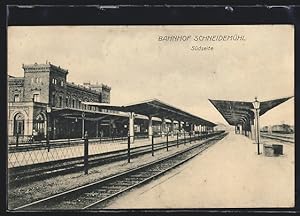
x: 229, y: 174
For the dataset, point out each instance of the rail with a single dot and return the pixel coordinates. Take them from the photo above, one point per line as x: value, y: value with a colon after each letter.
x: 96, y: 194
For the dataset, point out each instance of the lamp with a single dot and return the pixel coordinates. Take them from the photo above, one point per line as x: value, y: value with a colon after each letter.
x: 48, y: 110
x: 256, y: 105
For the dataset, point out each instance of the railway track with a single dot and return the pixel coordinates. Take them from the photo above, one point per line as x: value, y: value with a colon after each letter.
x: 37, y: 172
x: 280, y: 138
x: 97, y: 194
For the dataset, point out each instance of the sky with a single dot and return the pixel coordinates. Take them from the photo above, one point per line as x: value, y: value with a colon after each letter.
x: 138, y: 66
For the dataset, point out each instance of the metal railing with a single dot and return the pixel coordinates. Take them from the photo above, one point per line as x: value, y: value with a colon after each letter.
x: 40, y: 152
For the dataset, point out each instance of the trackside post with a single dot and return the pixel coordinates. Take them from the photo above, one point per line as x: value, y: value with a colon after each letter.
x: 167, y: 141
x: 152, y: 145
x: 86, y: 153
x: 128, y: 148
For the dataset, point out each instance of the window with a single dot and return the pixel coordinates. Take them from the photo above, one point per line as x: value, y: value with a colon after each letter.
x: 19, y: 124
x: 17, y: 98
x: 73, y: 103
x: 62, y: 83
x: 39, y: 125
x: 36, y: 97
x: 60, y: 101
x: 79, y: 104
x: 53, y: 100
x: 54, y: 81
x: 67, y: 101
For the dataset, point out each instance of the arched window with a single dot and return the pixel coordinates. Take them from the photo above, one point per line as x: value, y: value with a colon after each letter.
x: 39, y: 125
x: 67, y: 101
x: 19, y: 124
x: 60, y: 101
x: 53, y: 100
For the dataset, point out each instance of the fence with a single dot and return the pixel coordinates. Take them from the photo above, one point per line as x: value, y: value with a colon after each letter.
x: 61, y: 150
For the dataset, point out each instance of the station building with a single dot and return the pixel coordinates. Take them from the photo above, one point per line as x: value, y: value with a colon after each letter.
x: 44, y: 104
x: 44, y: 87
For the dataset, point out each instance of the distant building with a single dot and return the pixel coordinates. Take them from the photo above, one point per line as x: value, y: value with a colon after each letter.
x: 282, y: 128
x: 221, y: 127
x: 46, y: 85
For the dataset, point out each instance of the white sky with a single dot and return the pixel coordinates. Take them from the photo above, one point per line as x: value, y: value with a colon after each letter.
x: 138, y: 67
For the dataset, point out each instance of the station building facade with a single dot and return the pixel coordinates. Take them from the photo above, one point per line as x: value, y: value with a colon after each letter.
x: 41, y: 87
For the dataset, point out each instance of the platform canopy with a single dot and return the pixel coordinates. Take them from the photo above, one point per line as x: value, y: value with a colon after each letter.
x: 156, y: 108
x: 237, y: 112
x: 94, y: 115
x: 68, y: 112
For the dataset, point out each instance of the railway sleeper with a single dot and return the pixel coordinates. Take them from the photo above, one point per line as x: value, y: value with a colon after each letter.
x: 132, y: 180
x: 111, y: 191
x: 112, y: 187
x: 117, y: 182
x: 143, y: 175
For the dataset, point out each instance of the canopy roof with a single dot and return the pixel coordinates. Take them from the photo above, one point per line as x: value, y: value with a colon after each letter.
x: 236, y: 112
x: 68, y: 112
x: 156, y: 108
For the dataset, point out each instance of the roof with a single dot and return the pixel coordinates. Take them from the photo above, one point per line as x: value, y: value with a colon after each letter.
x: 157, y: 108
x: 236, y: 112
x: 48, y: 65
x: 68, y: 112
x: 82, y: 88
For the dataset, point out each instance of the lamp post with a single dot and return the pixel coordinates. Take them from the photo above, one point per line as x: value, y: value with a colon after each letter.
x: 48, y: 110
x: 256, y: 105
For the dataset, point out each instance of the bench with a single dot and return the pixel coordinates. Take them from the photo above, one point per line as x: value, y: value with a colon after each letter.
x: 273, y: 150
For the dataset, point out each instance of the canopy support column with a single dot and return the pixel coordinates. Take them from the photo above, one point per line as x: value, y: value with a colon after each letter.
x: 179, y: 126
x: 150, y: 131
x: 172, y: 127
x: 163, y: 127
x: 252, y: 129
x: 83, y: 125
x: 131, y: 126
x: 97, y: 128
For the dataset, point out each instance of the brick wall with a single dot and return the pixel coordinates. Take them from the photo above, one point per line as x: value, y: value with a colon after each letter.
x: 48, y: 84
x: 36, y: 81
x: 80, y: 93
x: 15, y: 87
